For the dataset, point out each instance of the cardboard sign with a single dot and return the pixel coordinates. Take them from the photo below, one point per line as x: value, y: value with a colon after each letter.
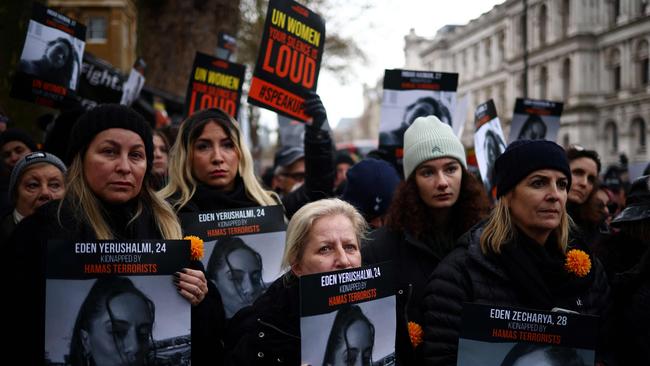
x: 214, y: 83
x: 355, y: 305
x: 50, y: 64
x: 489, y: 143
x: 535, y: 120
x: 289, y: 60
x: 497, y: 335
x: 127, y: 287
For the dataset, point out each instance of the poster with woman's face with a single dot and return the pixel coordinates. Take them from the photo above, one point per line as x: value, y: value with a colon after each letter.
x: 242, y: 267
x: 489, y: 142
x: 535, y: 120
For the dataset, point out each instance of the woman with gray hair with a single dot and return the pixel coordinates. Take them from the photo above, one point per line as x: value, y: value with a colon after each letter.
x: 322, y: 236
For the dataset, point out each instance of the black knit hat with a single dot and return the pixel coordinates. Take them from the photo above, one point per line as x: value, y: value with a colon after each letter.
x: 523, y: 157
x: 102, y: 118
x: 16, y: 134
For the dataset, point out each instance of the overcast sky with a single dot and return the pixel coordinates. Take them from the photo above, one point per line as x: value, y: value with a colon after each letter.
x: 380, y: 32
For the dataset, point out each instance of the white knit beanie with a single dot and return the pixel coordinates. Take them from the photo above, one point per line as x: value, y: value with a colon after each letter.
x: 428, y: 138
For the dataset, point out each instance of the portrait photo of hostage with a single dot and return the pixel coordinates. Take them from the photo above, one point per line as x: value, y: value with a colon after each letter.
x: 52, y: 55
x: 474, y: 353
x: 489, y: 144
x: 534, y: 127
x: 116, y: 321
x: 358, y: 335
x: 242, y: 266
x: 402, y: 108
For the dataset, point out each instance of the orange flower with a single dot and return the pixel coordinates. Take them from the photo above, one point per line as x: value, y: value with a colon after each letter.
x: 415, y: 333
x: 196, y: 247
x: 578, y: 262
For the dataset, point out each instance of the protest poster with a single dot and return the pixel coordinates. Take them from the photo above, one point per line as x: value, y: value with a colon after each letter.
x: 489, y: 143
x: 50, y: 63
x: 134, y: 83
x: 506, y: 336
x: 226, y: 46
x: 346, y: 310
x: 104, y: 290
x: 99, y: 83
x: 290, y: 132
x: 289, y: 59
x: 535, y: 120
x: 243, y: 250
x: 214, y: 83
x: 411, y: 94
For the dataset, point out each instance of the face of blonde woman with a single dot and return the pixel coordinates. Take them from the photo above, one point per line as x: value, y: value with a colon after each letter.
x: 215, y: 160
x: 331, y: 245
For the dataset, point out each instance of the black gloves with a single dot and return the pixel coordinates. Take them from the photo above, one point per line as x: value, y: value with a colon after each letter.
x: 315, y: 109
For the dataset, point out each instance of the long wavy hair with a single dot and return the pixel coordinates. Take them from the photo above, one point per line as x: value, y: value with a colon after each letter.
x: 182, y: 184
x: 338, y: 334
x: 83, y: 202
x: 408, y: 211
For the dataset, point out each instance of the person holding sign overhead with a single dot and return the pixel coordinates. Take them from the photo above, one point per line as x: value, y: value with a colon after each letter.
x: 322, y: 236
x: 107, y: 197
x: 437, y: 203
x: 521, y: 256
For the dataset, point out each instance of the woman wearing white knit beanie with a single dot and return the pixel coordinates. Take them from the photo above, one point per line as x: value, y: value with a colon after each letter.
x: 438, y: 202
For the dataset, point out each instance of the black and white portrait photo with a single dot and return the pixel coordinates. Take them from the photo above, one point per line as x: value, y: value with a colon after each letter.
x: 52, y: 55
x: 359, y: 334
x: 477, y: 353
x: 535, y: 120
x: 401, y: 107
x: 242, y: 266
x: 113, y: 320
x: 489, y: 143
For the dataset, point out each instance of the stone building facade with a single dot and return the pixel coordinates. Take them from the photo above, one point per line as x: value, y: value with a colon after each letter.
x: 590, y: 54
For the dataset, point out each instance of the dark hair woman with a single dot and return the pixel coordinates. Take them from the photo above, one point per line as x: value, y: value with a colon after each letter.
x: 518, y: 257
x: 437, y: 203
x: 107, y: 197
x: 351, y: 339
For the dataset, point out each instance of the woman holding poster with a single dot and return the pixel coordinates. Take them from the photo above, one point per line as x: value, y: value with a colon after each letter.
x: 322, y: 236
x: 107, y: 197
x: 521, y: 256
x: 437, y: 203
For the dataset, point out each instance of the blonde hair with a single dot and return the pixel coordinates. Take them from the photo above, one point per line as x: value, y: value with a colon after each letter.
x: 303, y: 220
x: 82, y: 199
x: 182, y: 184
x: 500, y: 229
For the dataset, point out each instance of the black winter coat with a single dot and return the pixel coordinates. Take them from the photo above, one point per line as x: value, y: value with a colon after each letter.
x: 414, y: 262
x: 268, y: 332
x: 26, y: 264
x: 468, y: 275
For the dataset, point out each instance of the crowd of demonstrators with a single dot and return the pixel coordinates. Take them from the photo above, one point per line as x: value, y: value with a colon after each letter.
x: 322, y: 236
x: 517, y: 256
x: 437, y: 203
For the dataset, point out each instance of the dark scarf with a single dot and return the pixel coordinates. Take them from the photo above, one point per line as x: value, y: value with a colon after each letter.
x: 118, y: 217
x: 208, y: 198
x: 538, y: 274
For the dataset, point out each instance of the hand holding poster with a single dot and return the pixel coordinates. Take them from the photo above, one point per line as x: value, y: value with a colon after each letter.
x: 289, y: 59
x: 51, y: 59
x: 535, y: 120
x: 214, y: 83
x: 505, y: 336
x: 101, y: 292
x: 243, y: 250
x: 489, y: 142
x: 356, y: 308
x: 412, y: 94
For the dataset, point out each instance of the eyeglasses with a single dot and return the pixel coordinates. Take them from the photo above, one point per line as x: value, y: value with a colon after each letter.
x: 297, y: 176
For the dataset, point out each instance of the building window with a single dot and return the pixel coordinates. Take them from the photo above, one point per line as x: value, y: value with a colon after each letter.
x: 611, y: 135
x: 614, y: 63
x: 488, y: 50
x: 543, y: 82
x: 542, y: 25
x: 97, y: 30
x: 502, y: 45
x: 615, y: 11
x: 565, y: 141
x: 643, y: 66
x: 522, y: 31
x: 565, y: 16
x: 639, y: 130
x: 566, y: 79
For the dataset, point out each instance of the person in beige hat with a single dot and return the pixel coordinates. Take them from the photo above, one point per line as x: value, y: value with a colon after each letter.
x: 438, y: 202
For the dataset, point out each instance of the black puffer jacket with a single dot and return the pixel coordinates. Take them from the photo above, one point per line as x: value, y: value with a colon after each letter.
x: 468, y: 275
x: 268, y: 332
x: 414, y: 262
